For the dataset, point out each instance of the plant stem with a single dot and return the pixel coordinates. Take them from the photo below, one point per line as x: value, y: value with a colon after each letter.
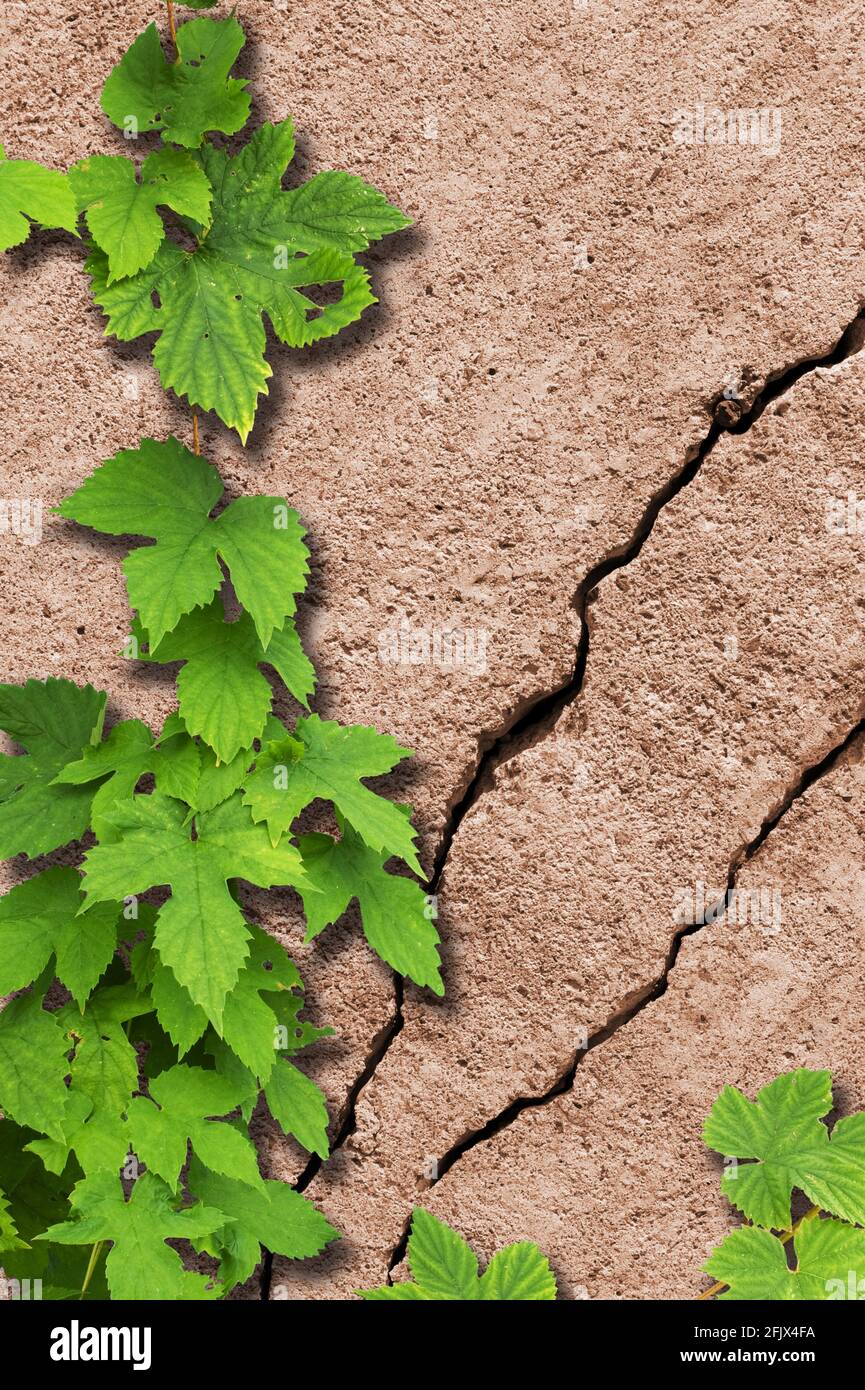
x: 784, y: 1239
x: 196, y: 447
x: 171, y: 26
x: 94, y: 1256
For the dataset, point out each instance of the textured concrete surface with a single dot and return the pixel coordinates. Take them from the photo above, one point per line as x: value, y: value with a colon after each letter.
x: 579, y: 291
x: 612, y: 1178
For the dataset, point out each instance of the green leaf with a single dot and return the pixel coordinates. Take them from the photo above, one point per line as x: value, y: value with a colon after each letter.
x: 167, y: 493
x: 104, y: 1066
x: 37, y: 1198
x: 54, y: 721
x: 264, y: 247
x: 200, y: 931
x: 29, y: 192
x: 249, y: 1023
x: 9, y: 1238
x: 38, y: 918
x: 782, y: 1130
x: 445, y: 1269
x: 123, y: 758
x: 98, y: 1138
x: 121, y: 211
x: 222, y: 694
x: 518, y: 1273
x: 298, y: 1107
x: 440, y: 1260
x: 182, y: 1099
x: 394, y: 911
x: 278, y: 1218
x: 830, y: 1263
x: 182, y: 99
x: 140, y: 1266
x: 326, y: 760
x: 33, y: 1066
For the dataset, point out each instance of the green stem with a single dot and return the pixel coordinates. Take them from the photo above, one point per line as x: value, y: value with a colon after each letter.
x: 94, y: 1256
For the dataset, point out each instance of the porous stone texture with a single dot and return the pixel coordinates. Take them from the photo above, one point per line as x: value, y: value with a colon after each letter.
x: 611, y: 1178
x: 723, y: 662
x: 580, y: 289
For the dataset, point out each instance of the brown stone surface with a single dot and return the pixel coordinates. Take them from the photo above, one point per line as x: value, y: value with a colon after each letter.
x: 612, y: 1178
x: 725, y: 661
x: 474, y: 448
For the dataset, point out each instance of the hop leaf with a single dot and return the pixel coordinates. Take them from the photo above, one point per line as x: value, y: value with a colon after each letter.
x: 98, y: 1138
x: 277, y: 1218
x: 54, y: 721
x: 104, y: 1066
x: 9, y: 1239
x: 39, y: 919
x: 182, y: 99
x: 393, y: 910
x: 263, y: 247
x: 326, y: 760
x: 121, y: 211
x: 830, y: 1263
x: 140, y: 1265
x: 33, y: 1066
x: 177, y: 1113
x: 782, y: 1130
x: 221, y: 692
x: 167, y: 493
x: 27, y: 191
x: 445, y: 1269
x: 298, y: 1106
x: 125, y: 756
x: 200, y: 932
x: 37, y: 1198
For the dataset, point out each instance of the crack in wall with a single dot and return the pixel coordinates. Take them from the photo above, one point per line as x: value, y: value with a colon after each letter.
x: 638, y: 1000
x: 537, y: 716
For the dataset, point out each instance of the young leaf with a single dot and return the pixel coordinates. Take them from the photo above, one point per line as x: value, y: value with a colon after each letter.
x: 98, y: 1138
x: 140, y: 1265
x: 445, y: 1269
x: 782, y: 1130
x: 326, y: 760
x: 182, y: 1099
x: 518, y: 1273
x: 104, y: 1067
x: 27, y: 191
x: 54, y: 721
x: 182, y: 99
x: 121, y: 211
x: 33, y: 1066
x: 298, y: 1106
x: 264, y: 246
x: 200, y: 931
x: 123, y: 758
x: 393, y: 910
x: 167, y: 493
x: 830, y: 1263
x: 278, y: 1218
x: 38, y: 919
x: 249, y: 1023
x: 223, y: 696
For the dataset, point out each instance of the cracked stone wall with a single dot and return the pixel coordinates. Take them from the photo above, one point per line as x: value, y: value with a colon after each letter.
x: 532, y: 438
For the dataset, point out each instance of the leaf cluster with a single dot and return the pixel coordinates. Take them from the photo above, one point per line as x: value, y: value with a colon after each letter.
x: 775, y: 1145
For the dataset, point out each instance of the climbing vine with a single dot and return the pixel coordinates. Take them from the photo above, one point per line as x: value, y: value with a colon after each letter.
x: 149, y: 1015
